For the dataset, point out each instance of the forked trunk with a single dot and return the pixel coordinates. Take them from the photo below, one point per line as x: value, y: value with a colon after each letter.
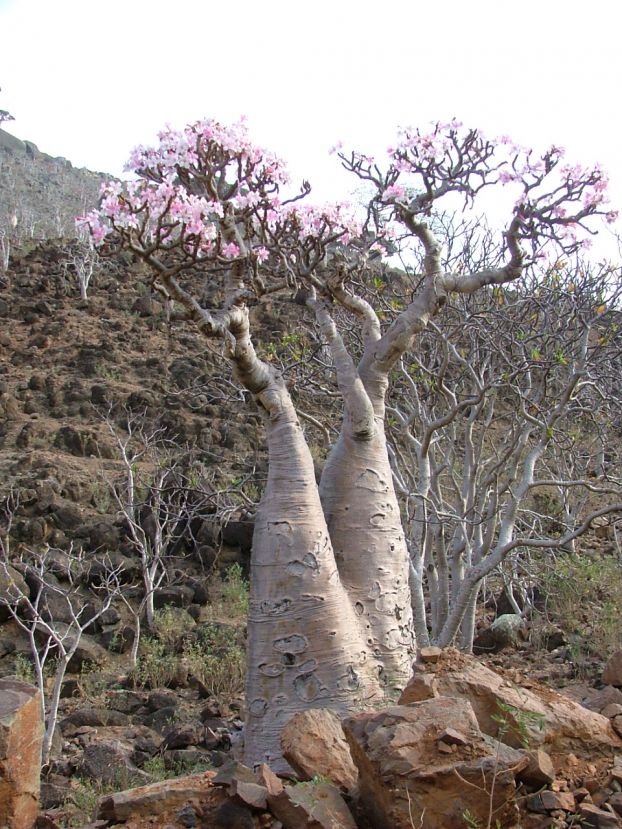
x: 305, y: 649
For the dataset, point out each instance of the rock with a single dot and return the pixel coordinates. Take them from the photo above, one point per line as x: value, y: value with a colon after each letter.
x: 540, y: 771
x: 108, y: 761
x: 161, y: 698
x: 420, y: 686
x: 615, y: 801
x: 176, y: 595
x: 12, y: 586
x: 313, y: 744
x: 7, y: 646
x: 612, y: 675
x: 21, y: 737
x: 548, y: 801
x: 506, y: 631
x: 311, y: 806
x: 94, y: 717
x: 612, y: 710
x: 161, y: 801
x: 599, y: 700
x: 430, y: 654
x: 592, y: 816
x: 405, y: 781
x: 536, y: 714
x: 183, y: 735
x: 87, y: 653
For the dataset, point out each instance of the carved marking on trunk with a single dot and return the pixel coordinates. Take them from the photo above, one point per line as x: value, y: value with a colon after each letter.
x: 273, y: 608
x: 308, y: 667
x: 258, y: 707
x: 370, y: 479
x: 349, y: 681
x: 280, y: 527
x: 272, y: 669
x: 308, y: 687
x: 358, y: 607
x: 394, y: 639
x: 385, y: 604
x: 376, y: 591
x: 299, y: 568
x: 292, y: 644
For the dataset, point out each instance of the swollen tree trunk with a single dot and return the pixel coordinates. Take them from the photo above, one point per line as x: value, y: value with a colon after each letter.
x: 305, y: 648
x: 365, y: 527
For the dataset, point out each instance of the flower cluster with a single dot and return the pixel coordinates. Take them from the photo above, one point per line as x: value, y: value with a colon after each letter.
x: 210, y: 192
x: 552, y: 199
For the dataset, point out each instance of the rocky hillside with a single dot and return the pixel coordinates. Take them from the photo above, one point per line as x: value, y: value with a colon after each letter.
x: 40, y: 195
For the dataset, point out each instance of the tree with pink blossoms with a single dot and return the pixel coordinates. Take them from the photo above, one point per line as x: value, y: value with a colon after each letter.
x: 331, y: 608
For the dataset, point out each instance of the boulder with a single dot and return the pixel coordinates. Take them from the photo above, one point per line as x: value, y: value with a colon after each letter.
x: 94, y: 717
x: 507, y: 631
x: 517, y: 715
x: 21, y: 737
x: 109, y: 762
x: 314, y: 745
x: 161, y: 802
x: 311, y: 806
x: 409, y: 776
x: 12, y: 588
x: 612, y: 675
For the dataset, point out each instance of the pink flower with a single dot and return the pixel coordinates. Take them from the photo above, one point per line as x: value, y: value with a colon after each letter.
x: 230, y: 250
x: 394, y: 191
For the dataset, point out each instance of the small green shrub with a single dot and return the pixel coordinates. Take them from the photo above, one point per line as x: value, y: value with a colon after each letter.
x: 218, y: 660
x: 171, y: 623
x: 155, y: 667
x: 24, y: 669
x: 230, y: 595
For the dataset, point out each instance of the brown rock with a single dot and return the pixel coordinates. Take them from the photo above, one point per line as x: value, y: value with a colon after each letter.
x: 453, y: 738
x: 615, y: 801
x: 539, y: 715
x: 406, y: 781
x: 540, y: 771
x: 160, y: 801
x: 430, y: 654
x: 557, y: 800
x: 599, y: 700
x: 592, y: 816
x: 421, y: 686
x: 612, y: 710
x: 313, y: 744
x: 612, y: 675
x: 21, y: 736
x: 311, y: 806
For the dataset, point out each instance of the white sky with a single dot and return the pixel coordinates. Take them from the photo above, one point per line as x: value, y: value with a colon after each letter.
x: 89, y: 79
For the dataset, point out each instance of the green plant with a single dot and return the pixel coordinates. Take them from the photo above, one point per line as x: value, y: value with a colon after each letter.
x: 235, y: 591
x: 101, y: 497
x: 24, y: 669
x: 170, y: 624
x: 155, y: 667
x: 221, y: 670
x: 81, y: 804
x: 516, y: 721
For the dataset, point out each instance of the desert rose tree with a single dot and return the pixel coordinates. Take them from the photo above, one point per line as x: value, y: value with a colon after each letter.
x: 330, y: 618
